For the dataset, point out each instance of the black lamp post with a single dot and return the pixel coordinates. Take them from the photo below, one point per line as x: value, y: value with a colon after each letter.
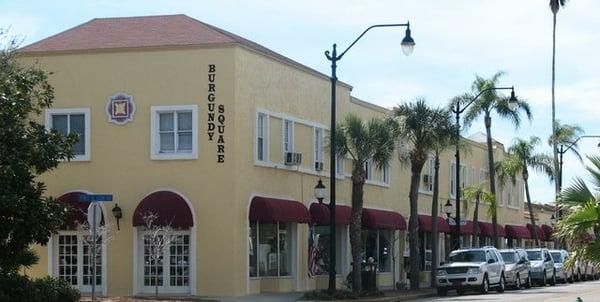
x: 563, y: 149
x: 448, y: 208
x: 512, y: 104
x: 408, y: 45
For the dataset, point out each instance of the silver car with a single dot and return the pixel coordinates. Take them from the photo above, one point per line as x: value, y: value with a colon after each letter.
x: 517, y: 268
x: 542, y: 266
x: 562, y: 274
x: 475, y: 268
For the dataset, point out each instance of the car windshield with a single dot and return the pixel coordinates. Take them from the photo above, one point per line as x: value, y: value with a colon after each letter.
x: 534, y: 255
x: 467, y: 256
x: 557, y: 257
x: 509, y: 257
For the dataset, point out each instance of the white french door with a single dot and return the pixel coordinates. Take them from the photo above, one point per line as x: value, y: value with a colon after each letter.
x: 73, y: 260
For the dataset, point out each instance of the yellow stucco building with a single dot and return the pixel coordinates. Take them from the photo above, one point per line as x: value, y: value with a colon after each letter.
x: 224, y: 140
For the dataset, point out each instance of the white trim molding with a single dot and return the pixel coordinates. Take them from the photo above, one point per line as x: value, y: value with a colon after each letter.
x: 155, y: 136
x: 87, y: 124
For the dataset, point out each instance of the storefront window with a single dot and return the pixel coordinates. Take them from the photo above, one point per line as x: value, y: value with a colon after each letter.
x: 378, y: 244
x: 321, y: 239
x: 425, y: 251
x: 272, y: 256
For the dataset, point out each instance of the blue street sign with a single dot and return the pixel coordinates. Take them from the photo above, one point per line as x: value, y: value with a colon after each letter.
x: 96, y: 197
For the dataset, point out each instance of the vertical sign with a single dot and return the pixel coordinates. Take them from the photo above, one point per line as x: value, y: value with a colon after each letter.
x: 216, y: 115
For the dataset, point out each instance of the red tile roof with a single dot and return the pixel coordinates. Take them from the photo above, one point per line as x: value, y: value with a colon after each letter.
x: 148, y: 31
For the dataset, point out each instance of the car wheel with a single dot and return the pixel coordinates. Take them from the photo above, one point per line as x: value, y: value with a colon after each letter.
x: 543, y: 283
x: 528, y: 283
x: 518, y: 282
x: 501, y: 286
x: 553, y: 280
x: 442, y: 291
x: 485, y: 285
x: 570, y: 279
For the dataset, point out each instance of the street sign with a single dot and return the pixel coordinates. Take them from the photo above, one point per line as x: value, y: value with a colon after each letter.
x: 451, y: 221
x: 91, y: 212
x: 95, y: 197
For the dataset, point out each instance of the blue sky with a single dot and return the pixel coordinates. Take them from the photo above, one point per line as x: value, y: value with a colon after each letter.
x: 455, y: 40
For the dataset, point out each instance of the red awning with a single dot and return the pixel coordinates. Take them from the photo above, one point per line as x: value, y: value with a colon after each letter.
x: 540, y: 232
x: 425, y: 224
x: 319, y: 214
x: 382, y: 219
x: 76, y: 210
x: 467, y: 229
x: 487, y: 229
x: 517, y: 231
x: 265, y: 209
x: 548, y: 232
x: 171, y: 209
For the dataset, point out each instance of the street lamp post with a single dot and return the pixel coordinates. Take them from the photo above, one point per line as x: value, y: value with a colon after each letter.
x: 408, y: 45
x: 561, y: 152
x: 512, y: 104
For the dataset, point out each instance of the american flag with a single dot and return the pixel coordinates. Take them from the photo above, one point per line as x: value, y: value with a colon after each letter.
x: 313, y: 243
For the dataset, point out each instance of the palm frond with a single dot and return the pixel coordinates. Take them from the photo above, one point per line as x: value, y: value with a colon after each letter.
x: 594, y: 170
x: 542, y: 163
x: 503, y: 110
x: 576, y: 194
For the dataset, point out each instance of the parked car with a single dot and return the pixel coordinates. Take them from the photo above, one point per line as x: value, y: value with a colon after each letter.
x: 474, y: 268
x: 542, y: 266
x: 562, y: 274
x: 517, y: 268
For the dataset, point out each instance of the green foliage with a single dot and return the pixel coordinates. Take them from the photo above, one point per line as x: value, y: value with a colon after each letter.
x: 26, y: 151
x: 15, y: 287
x: 485, y: 197
x: 520, y: 158
x: 567, y: 135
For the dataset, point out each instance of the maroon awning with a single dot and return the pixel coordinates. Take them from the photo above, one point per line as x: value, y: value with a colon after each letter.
x: 540, y: 232
x: 487, y: 229
x: 76, y: 212
x: 319, y: 214
x: 265, y: 209
x: 467, y: 229
x: 382, y: 219
x: 170, y: 208
x: 548, y: 232
x: 425, y: 224
x: 517, y: 231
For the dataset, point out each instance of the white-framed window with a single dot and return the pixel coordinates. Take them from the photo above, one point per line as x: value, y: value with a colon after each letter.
x: 172, y: 270
x: 516, y: 195
x: 72, y: 121
x: 318, y: 147
x: 500, y: 194
x: 368, y: 166
x: 262, y: 137
x: 474, y: 181
x: 339, y: 165
x: 385, y: 174
x: 429, y: 173
x: 174, y: 132
x: 509, y: 194
x: 288, y: 136
x: 378, y: 244
x: 73, y: 259
x: 453, y: 180
x: 270, y: 249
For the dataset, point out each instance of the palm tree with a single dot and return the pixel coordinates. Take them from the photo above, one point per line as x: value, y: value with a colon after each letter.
x: 479, y: 194
x: 445, y: 134
x: 362, y: 141
x: 555, y: 6
x: 520, y: 158
x: 485, y: 105
x: 417, y: 124
x: 581, y: 204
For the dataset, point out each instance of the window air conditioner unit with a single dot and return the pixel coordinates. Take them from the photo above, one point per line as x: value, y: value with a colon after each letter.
x: 293, y: 158
x: 319, y: 166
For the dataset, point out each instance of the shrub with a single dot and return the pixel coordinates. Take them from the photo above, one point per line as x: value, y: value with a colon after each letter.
x: 17, y: 288
x: 52, y: 289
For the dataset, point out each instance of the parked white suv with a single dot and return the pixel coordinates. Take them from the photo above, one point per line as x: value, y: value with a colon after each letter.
x: 542, y: 266
x: 475, y: 268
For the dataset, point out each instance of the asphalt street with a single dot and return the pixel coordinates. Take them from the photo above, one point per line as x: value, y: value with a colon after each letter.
x: 588, y: 291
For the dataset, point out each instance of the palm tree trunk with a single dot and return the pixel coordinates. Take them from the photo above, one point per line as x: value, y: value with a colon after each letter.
x: 475, y: 223
x: 413, y: 222
x: 358, y: 181
x: 554, y: 149
x: 531, y: 215
x: 434, y: 221
x: 492, y: 173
